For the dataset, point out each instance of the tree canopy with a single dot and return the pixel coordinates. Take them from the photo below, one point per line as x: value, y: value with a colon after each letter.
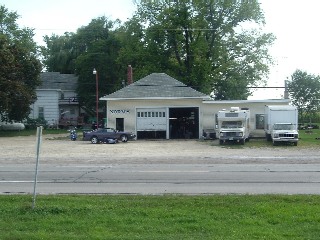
x: 19, y: 68
x: 201, y: 43
x: 92, y: 46
x: 304, y: 89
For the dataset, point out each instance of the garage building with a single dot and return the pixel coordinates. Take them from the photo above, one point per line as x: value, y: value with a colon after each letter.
x: 161, y: 107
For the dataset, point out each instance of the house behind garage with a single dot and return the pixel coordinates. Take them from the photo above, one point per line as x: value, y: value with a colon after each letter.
x: 161, y: 107
x: 57, y: 101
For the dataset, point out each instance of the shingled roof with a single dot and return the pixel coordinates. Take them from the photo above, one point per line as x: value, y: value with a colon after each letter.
x: 56, y: 80
x: 156, y: 85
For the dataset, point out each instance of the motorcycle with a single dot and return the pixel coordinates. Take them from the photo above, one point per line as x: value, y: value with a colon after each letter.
x: 73, y: 135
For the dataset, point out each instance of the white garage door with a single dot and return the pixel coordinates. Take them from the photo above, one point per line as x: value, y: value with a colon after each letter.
x: 151, y: 119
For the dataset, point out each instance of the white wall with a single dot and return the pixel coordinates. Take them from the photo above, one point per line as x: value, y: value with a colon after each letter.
x: 49, y: 100
x: 127, y: 109
x: 207, y: 109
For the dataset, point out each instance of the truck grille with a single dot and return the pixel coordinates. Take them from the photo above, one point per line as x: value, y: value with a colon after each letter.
x: 231, y: 134
x: 286, y: 135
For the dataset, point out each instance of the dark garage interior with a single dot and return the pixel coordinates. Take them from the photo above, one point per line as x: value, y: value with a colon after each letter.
x: 184, y: 123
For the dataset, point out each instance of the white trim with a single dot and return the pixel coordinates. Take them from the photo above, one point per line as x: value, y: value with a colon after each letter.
x: 246, y: 101
x: 152, y: 98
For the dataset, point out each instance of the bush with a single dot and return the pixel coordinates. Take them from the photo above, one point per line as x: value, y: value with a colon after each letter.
x: 34, y: 123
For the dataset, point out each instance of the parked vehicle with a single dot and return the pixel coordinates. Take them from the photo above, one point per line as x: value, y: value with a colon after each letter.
x: 104, y: 134
x: 281, y: 124
x: 233, y: 125
x: 73, y: 135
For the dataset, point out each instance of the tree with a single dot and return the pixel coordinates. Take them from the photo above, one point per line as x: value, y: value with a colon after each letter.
x: 60, y: 54
x: 201, y: 43
x: 304, y: 90
x: 92, y: 46
x: 19, y: 68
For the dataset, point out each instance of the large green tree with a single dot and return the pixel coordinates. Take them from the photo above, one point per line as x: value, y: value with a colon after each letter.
x: 60, y: 53
x: 201, y: 43
x: 19, y: 67
x: 304, y: 89
x: 92, y: 46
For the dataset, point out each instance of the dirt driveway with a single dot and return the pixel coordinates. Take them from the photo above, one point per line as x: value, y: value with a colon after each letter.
x: 61, y: 151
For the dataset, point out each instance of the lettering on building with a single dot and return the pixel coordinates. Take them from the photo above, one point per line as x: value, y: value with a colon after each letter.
x: 120, y: 111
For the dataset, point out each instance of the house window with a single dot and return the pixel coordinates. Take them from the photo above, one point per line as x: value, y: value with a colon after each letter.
x: 259, y: 121
x: 41, y: 112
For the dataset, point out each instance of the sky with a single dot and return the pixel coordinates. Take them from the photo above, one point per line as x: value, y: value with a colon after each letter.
x: 293, y: 22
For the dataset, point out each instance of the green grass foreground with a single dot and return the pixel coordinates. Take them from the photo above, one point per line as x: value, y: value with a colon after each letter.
x: 160, y: 217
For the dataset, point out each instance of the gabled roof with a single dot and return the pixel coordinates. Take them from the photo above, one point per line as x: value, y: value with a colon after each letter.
x: 56, y: 80
x: 155, y: 86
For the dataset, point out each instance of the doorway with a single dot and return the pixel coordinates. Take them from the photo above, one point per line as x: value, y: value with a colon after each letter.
x: 120, y: 124
x: 184, y: 123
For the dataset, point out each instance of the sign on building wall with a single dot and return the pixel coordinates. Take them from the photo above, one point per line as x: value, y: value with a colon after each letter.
x: 119, y: 111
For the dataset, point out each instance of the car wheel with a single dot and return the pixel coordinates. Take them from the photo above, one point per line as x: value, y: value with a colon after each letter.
x: 94, y: 140
x: 124, y: 138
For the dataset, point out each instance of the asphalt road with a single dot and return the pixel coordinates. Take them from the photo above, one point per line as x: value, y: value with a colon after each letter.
x: 162, y: 179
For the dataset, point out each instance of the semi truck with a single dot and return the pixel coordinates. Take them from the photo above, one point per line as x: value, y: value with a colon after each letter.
x: 281, y: 124
x: 233, y: 125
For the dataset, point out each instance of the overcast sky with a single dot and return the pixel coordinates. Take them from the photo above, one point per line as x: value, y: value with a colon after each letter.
x: 295, y: 24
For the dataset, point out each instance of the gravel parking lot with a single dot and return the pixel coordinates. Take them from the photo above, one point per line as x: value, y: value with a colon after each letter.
x: 61, y: 151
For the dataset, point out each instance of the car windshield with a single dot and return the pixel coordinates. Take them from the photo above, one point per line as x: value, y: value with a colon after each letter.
x: 231, y: 124
x: 283, y: 127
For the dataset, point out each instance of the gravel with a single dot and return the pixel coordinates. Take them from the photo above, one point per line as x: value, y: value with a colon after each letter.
x: 59, y: 150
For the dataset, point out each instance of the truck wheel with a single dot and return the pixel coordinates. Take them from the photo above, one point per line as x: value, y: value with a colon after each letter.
x: 221, y: 142
x: 242, y: 141
x: 295, y: 144
x: 274, y: 143
x: 94, y: 140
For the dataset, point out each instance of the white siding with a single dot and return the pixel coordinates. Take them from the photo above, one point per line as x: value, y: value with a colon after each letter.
x: 49, y: 100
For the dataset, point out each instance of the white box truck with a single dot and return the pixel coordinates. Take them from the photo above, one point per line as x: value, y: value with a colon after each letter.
x: 233, y: 125
x: 281, y: 124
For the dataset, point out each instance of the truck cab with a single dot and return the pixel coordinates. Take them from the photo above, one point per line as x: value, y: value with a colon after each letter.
x: 284, y: 132
x: 233, y: 125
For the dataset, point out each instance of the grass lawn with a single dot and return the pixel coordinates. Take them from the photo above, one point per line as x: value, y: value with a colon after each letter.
x: 160, y: 217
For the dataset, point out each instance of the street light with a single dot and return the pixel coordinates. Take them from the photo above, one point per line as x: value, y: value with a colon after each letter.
x: 97, y: 96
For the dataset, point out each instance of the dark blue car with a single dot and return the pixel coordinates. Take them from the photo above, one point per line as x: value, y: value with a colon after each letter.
x: 107, y: 134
